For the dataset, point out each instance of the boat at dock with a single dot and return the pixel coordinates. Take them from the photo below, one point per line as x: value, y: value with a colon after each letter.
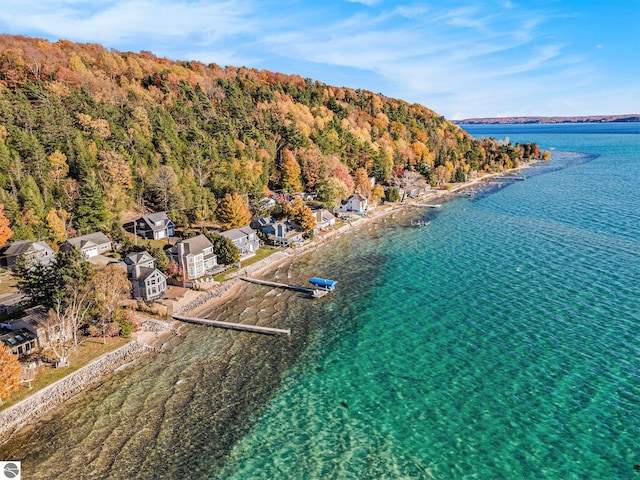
x: 323, y: 283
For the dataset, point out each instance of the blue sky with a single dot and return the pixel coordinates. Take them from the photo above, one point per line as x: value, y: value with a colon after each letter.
x: 461, y: 58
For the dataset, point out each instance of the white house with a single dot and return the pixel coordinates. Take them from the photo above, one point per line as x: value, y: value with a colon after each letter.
x: 89, y: 245
x: 355, y: 203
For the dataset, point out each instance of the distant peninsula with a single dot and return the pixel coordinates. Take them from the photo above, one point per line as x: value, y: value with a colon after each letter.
x: 633, y: 117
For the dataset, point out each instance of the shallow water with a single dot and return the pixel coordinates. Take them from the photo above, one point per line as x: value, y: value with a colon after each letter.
x: 498, y: 342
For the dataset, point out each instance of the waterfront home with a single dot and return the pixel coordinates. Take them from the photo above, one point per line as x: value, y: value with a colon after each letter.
x: 154, y: 226
x: 286, y: 234
x: 148, y: 282
x: 245, y: 240
x: 20, y: 342
x: 264, y: 224
x: 33, y: 252
x: 194, y: 256
x: 90, y: 245
x: 355, y: 203
x: 324, y: 219
x: 34, y: 321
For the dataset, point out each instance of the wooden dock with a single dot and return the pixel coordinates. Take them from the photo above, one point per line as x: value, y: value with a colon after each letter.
x: 297, y: 288
x: 234, y: 326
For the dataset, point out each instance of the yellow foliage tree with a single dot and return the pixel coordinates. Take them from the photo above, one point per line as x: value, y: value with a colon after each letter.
x: 9, y: 372
x: 56, y: 223
x: 233, y: 211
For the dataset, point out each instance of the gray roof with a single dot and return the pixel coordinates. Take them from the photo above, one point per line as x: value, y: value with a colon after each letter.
x: 236, y: 233
x: 135, y: 258
x: 196, y: 244
x: 156, y: 221
x: 97, y: 238
x: 147, y: 272
x: 19, y: 247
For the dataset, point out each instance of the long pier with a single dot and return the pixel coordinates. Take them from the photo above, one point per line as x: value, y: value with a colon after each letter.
x: 297, y: 288
x: 235, y: 326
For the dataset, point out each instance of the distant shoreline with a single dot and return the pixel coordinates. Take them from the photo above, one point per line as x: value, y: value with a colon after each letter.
x: 533, y: 120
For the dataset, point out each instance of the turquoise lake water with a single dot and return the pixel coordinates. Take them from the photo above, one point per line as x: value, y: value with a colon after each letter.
x: 499, y: 342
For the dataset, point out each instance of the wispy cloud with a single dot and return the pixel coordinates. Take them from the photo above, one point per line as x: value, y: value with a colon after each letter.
x: 476, y: 57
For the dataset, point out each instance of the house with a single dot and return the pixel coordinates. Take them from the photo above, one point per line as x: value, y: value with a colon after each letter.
x: 154, y: 226
x: 245, y: 239
x: 324, y: 219
x: 264, y: 224
x: 355, y: 203
x: 90, y: 245
x: 194, y: 256
x: 148, y: 282
x: 33, y: 252
x: 34, y: 320
x: 20, y: 342
x: 286, y: 234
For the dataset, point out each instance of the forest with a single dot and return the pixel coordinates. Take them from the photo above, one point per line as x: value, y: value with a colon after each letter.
x: 88, y: 134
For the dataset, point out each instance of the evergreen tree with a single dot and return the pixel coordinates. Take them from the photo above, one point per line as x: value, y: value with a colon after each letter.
x: 223, y: 247
x: 90, y: 208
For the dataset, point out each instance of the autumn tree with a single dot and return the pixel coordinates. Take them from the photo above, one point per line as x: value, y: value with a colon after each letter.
x: 59, y: 166
x: 362, y: 182
x: 290, y: 172
x: 5, y: 231
x: 109, y: 288
x: 301, y: 213
x: 377, y: 194
x: 233, y: 211
x: 9, y: 372
x: 56, y: 224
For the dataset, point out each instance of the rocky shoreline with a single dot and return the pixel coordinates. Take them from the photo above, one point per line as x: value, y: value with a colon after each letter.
x: 35, y: 406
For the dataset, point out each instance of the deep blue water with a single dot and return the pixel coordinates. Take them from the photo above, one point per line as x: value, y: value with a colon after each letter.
x: 499, y: 342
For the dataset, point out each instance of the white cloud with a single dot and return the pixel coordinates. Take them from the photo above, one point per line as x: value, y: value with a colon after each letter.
x: 478, y: 57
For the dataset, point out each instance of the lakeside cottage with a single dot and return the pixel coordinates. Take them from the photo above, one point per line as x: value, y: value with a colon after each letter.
x: 148, y: 282
x: 324, y: 219
x: 194, y: 256
x: 355, y: 203
x: 245, y: 239
x: 26, y: 333
x: 90, y: 245
x: 33, y: 252
x: 154, y: 226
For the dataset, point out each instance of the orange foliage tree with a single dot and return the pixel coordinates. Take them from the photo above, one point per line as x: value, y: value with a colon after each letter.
x: 5, y: 232
x: 9, y: 372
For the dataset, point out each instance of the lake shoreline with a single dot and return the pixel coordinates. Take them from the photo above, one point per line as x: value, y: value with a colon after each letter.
x: 208, y: 301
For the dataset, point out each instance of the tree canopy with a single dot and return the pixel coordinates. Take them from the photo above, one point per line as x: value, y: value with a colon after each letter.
x: 92, y: 132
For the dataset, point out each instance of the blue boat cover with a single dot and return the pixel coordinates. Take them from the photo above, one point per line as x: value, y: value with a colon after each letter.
x: 323, y: 282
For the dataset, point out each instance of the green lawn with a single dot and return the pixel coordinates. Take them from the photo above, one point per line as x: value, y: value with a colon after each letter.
x: 89, y: 350
x: 262, y: 253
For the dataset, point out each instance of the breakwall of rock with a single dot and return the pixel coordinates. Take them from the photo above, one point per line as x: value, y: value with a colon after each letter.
x: 33, y: 407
